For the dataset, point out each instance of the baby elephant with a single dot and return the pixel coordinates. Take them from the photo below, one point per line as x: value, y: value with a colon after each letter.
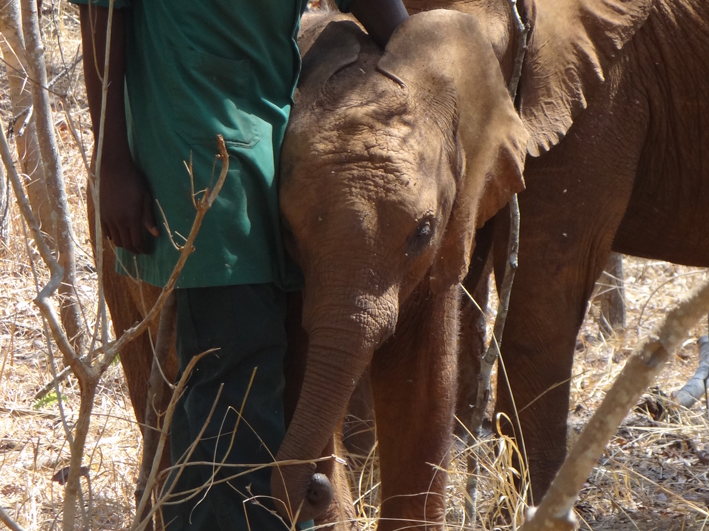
x: 391, y: 160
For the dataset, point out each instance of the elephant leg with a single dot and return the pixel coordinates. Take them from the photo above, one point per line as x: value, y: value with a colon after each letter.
x: 340, y: 515
x: 569, y: 215
x: 413, y: 384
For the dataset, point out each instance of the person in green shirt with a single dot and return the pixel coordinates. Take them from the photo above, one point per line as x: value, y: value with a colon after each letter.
x: 181, y: 72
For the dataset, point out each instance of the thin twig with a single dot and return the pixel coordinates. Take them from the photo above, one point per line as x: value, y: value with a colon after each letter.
x: 49, y: 386
x: 522, y: 31
x: 49, y: 151
x: 138, y: 524
x: 48, y: 341
x: 157, y: 391
x: 95, y: 183
x: 203, y: 205
x: 56, y: 271
x: 493, y: 351
x: 492, y: 354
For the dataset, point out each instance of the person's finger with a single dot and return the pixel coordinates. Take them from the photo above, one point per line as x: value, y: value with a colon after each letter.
x: 126, y: 240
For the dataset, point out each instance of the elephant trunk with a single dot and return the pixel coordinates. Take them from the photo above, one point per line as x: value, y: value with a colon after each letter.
x: 338, y: 355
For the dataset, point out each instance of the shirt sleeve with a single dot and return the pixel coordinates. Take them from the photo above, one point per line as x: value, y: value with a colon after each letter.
x: 344, y: 5
x: 118, y: 4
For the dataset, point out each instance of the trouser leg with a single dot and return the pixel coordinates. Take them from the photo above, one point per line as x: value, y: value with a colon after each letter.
x: 247, y: 325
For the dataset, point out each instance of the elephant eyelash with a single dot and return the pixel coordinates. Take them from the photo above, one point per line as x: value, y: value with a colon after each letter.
x: 421, y: 238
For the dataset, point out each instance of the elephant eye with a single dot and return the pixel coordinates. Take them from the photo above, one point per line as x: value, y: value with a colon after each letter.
x: 421, y: 237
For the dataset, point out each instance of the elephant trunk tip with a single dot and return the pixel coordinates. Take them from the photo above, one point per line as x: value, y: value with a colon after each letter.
x: 316, y: 500
x: 320, y: 492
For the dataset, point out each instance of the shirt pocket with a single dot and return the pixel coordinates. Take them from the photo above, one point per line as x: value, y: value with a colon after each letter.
x: 210, y: 95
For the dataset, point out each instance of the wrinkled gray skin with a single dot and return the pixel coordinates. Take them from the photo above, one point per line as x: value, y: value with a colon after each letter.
x: 390, y: 162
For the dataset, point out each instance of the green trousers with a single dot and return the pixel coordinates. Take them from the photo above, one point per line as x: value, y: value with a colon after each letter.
x: 215, y: 490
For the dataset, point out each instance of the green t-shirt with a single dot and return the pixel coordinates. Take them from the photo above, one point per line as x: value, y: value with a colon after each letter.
x: 195, y: 69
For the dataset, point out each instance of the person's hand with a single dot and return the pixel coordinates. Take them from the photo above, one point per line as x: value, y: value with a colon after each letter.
x: 126, y: 207
x: 124, y: 196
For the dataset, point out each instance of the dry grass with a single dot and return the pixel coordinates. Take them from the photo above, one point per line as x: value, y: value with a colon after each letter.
x: 652, y: 476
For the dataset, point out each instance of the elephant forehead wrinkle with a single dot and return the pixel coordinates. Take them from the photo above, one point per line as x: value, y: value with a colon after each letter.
x: 374, y: 184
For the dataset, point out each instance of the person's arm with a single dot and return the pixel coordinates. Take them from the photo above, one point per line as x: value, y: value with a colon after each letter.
x: 379, y: 17
x: 125, y: 199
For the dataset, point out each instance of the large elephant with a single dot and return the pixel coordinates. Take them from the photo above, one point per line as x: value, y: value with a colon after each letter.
x: 391, y: 161
x: 613, y: 93
x: 631, y: 176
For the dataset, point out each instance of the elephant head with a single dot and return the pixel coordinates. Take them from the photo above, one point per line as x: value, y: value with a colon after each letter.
x: 390, y: 162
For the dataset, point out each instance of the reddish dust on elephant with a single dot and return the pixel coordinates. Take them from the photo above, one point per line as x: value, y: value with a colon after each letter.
x: 394, y: 159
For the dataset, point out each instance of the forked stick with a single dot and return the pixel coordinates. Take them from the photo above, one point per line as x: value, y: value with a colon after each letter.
x: 493, y: 351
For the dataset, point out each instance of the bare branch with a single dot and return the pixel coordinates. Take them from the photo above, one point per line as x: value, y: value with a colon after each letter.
x: 522, y: 31
x: 13, y: 50
x: 63, y: 234
x: 142, y: 519
x: 487, y: 362
x: 9, y: 522
x: 157, y: 393
x: 56, y: 270
x: 49, y: 386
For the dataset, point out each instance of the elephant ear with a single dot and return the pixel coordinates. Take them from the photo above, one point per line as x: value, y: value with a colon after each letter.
x: 452, y: 45
x: 312, y: 25
x: 572, y: 47
x: 336, y: 47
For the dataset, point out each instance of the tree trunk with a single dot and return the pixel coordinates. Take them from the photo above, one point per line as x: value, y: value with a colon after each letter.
x: 59, y: 209
x: 22, y: 124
